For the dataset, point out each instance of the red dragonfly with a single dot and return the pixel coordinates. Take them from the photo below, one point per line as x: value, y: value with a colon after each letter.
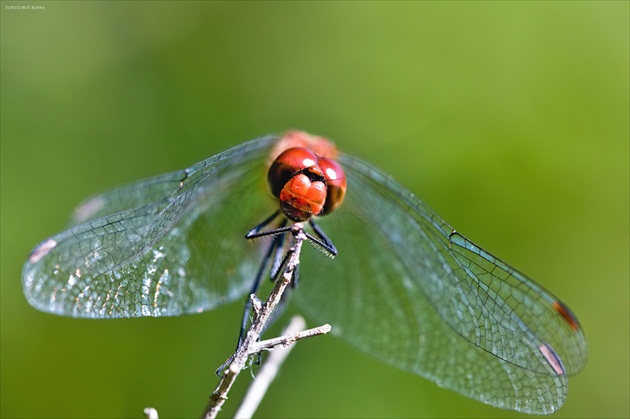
x: 404, y: 287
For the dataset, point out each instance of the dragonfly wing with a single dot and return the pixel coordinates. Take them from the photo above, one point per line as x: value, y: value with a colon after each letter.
x: 407, y: 290
x: 164, y: 246
x: 529, y: 307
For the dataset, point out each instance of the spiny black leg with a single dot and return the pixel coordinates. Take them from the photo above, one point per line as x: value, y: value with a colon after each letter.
x: 277, y: 258
x: 275, y: 232
x: 328, y: 245
x: 254, y: 231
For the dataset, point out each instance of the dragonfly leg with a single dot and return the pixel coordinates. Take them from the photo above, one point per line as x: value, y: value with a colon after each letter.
x: 321, y: 240
x: 280, y: 251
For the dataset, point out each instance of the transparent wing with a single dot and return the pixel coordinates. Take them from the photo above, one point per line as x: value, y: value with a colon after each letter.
x: 405, y: 286
x: 408, y: 289
x: 165, y: 246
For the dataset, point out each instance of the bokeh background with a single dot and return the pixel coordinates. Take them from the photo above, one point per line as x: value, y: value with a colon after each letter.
x: 510, y: 119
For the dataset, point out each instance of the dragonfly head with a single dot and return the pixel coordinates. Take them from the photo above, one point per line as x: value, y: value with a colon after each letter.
x: 306, y: 184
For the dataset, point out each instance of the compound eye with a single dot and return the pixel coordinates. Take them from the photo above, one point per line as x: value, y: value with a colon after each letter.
x: 335, y: 184
x: 286, y: 165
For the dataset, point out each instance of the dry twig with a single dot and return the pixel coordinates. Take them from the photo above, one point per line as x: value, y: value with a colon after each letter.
x: 267, y: 373
x: 262, y: 312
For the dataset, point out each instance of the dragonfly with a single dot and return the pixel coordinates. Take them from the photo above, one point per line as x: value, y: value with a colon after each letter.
x: 404, y: 286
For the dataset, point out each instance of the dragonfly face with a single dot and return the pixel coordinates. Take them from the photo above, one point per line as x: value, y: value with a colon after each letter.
x: 306, y: 184
x: 406, y: 287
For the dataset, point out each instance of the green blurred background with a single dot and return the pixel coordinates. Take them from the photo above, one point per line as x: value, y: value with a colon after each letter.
x: 510, y: 119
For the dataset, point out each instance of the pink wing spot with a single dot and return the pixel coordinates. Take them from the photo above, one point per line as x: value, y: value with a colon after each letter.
x: 42, y: 250
x: 552, y: 358
x: 88, y: 209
